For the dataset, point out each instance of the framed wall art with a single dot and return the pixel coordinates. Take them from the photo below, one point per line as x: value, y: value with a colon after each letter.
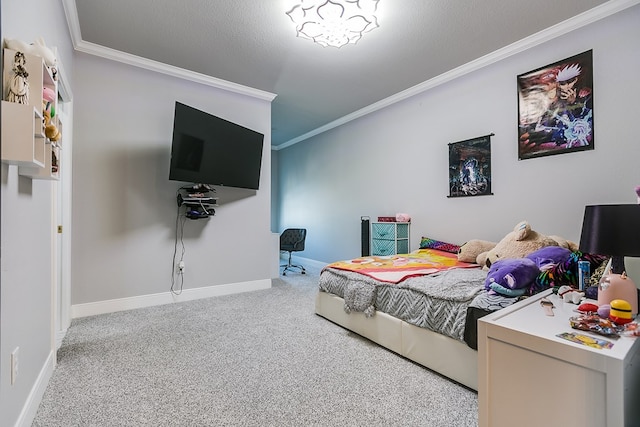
x: 470, y: 167
x: 555, y: 108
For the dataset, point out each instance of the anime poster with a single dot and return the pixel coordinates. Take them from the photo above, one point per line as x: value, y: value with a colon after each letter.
x: 470, y: 167
x: 555, y: 108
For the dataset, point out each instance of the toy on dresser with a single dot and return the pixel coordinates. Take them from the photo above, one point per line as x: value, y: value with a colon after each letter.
x: 609, y: 317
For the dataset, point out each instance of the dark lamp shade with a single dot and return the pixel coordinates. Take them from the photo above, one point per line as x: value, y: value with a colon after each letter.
x: 612, y: 230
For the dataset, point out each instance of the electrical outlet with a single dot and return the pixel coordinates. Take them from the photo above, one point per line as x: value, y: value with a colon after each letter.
x: 181, y: 266
x: 14, y: 365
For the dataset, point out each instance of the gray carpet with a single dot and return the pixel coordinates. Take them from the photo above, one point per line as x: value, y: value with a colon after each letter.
x: 260, y: 358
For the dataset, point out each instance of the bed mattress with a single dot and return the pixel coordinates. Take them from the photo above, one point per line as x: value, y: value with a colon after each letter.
x: 437, y: 301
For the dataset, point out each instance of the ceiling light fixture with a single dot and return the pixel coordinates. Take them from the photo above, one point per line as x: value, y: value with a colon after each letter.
x: 334, y: 22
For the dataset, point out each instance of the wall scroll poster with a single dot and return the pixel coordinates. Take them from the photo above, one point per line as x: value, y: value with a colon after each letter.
x: 555, y: 108
x: 470, y: 167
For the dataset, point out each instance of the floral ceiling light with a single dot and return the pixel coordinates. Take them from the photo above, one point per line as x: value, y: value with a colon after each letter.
x: 334, y: 22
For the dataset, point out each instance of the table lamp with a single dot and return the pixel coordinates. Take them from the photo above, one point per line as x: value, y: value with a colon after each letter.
x: 613, y: 230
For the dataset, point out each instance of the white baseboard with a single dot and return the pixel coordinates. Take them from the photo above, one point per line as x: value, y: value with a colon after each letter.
x: 30, y: 408
x: 120, y: 304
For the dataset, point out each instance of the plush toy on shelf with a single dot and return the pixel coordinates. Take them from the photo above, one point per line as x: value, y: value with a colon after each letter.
x: 37, y: 48
x: 403, y: 217
x: 48, y: 98
x: 50, y: 130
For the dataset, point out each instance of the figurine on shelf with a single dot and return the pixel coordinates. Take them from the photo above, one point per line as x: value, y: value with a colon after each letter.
x: 19, y: 86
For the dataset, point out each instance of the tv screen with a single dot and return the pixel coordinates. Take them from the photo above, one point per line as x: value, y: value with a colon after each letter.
x: 209, y: 150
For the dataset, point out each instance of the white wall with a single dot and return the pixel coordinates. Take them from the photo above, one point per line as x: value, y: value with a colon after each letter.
x: 124, y: 209
x: 395, y: 160
x: 124, y: 206
x: 25, y: 239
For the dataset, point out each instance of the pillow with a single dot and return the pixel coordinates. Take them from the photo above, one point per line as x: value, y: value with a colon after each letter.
x: 427, y: 243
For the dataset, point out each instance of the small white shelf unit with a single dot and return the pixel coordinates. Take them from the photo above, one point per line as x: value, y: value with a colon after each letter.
x: 23, y: 135
x: 389, y: 238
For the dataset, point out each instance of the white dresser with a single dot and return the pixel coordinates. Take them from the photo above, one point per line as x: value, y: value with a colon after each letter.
x: 527, y: 376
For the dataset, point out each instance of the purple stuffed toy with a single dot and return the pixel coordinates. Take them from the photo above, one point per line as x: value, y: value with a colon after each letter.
x: 511, y: 277
x: 549, y: 256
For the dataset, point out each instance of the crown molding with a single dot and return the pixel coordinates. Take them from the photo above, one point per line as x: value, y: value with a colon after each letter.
x: 115, y: 55
x: 597, y: 13
x: 159, y: 67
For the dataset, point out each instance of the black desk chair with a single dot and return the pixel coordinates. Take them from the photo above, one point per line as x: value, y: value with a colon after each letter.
x: 292, y: 240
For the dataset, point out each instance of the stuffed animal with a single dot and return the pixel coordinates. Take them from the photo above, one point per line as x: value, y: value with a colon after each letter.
x: 38, y: 48
x: 48, y: 94
x: 511, y: 277
x: 48, y: 112
x: 516, y: 244
x: 564, y: 243
x: 48, y: 98
x: 50, y: 130
x: 571, y: 295
x: 474, y: 247
x: 403, y: 217
x: 549, y: 256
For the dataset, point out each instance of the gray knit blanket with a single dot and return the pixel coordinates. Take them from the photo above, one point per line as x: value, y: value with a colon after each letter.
x: 360, y: 296
x: 436, y: 301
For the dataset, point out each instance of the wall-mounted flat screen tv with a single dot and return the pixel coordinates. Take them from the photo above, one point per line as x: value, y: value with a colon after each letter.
x: 209, y: 150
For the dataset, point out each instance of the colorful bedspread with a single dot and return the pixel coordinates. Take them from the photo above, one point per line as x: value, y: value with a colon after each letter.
x: 396, y: 268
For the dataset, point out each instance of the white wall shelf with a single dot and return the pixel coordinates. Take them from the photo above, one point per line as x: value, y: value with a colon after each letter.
x: 51, y: 165
x: 23, y: 137
x: 23, y: 140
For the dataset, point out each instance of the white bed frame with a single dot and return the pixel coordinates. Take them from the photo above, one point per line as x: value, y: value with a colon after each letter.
x: 445, y: 355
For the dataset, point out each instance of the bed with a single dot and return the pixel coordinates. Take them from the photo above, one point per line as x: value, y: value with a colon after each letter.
x: 416, y: 305
x: 425, y: 305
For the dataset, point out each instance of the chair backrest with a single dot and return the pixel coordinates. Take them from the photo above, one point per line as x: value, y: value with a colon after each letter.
x: 292, y: 239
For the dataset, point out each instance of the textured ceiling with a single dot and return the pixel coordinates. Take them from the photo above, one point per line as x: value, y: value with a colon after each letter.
x: 253, y: 43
